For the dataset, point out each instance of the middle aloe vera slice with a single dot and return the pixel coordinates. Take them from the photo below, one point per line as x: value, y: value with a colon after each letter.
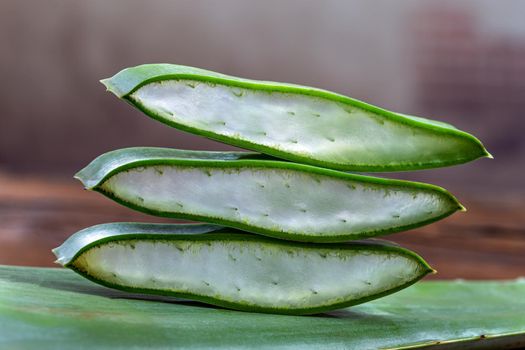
x: 239, y: 270
x: 274, y: 198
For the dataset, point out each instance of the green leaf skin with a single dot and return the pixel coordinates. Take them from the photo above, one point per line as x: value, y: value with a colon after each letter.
x: 297, y: 123
x: 238, y: 270
x: 274, y: 198
x: 43, y: 308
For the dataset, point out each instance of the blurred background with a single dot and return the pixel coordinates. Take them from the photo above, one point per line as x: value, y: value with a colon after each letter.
x: 459, y: 62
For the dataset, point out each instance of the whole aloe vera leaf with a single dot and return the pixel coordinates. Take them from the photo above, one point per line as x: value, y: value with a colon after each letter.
x: 297, y: 123
x: 238, y: 270
x: 279, y: 199
x: 43, y: 308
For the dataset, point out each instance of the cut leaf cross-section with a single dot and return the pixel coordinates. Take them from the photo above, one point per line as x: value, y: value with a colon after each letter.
x: 297, y: 123
x: 273, y: 198
x: 238, y: 270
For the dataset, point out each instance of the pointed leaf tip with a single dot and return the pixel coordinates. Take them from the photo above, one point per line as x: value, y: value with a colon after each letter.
x: 105, y: 82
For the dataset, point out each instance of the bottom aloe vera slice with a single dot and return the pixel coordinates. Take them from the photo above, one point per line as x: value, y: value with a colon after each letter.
x: 238, y: 270
x: 275, y: 198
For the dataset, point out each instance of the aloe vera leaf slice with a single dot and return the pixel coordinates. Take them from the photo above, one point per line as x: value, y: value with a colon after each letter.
x: 274, y: 198
x: 297, y: 123
x: 238, y: 270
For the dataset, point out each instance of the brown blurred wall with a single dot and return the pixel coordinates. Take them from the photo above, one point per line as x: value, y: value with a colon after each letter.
x: 462, y: 63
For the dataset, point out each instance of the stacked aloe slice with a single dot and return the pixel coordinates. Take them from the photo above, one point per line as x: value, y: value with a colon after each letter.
x: 284, y: 226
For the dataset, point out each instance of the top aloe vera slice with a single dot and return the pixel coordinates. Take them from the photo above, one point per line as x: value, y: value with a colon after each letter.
x: 297, y: 123
x: 274, y: 198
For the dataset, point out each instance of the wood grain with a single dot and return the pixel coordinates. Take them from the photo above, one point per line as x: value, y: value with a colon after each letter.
x: 487, y: 242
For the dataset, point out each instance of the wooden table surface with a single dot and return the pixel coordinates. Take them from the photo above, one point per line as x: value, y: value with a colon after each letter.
x: 486, y: 242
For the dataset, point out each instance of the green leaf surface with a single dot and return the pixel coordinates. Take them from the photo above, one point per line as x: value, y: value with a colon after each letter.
x: 298, y: 123
x: 42, y: 308
x: 274, y: 198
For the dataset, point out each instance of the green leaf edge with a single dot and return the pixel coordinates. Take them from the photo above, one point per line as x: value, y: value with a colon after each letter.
x: 488, y: 341
x: 129, y: 80
x: 110, y: 163
x: 104, y: 233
